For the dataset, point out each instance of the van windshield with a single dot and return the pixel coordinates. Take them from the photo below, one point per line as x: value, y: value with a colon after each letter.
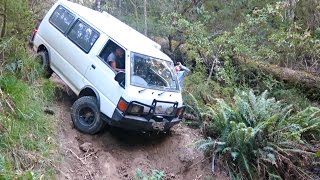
x: 149, y: 72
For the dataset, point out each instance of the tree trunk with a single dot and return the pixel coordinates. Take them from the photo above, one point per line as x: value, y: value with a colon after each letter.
x: 292, y: 6
x: 191, y: 5
x: 4, y: 22
x: 212, y: 68
x: 120, y: 7
x: 145, y: 18
x: 135, y: 9
x: 307, y: 82
x: 98, y: 5
x: 170, y: 43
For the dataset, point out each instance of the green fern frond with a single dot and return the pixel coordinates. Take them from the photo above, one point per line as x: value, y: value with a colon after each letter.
x: 273, y: 176
x: 259, y: 133
x: 246, y: 165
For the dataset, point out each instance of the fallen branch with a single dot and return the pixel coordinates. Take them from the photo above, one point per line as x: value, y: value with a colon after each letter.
x: 80, y: 159
x: 86, y: 156
x: 305, y: 81
x: 90, y: 174
x: 202, y: 160
x: 194, y: 164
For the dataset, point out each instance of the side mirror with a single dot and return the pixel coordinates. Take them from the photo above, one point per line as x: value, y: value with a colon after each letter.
x: 120, y: 78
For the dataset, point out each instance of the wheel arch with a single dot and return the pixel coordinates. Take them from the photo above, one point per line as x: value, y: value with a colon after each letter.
x: 90, y: 91
x: 42, y: 48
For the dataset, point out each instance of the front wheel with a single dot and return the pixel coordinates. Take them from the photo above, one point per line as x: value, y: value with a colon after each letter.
x: 43, y: 58
x: 85, y: 115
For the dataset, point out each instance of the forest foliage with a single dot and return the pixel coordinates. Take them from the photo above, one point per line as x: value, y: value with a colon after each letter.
x: 256, y: 125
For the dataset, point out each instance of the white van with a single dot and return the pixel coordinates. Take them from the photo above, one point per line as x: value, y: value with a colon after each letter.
x: 76, y: 43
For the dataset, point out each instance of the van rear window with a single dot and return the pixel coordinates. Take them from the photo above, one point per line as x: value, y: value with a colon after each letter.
x: 61, y: 19
x: 83, y: 35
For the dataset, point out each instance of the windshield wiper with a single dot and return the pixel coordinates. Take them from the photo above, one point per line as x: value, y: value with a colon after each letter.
x: 161, y: 93
x: 140, y: 91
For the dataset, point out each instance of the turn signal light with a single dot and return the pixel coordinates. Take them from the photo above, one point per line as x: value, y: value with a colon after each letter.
x: 122, y: 105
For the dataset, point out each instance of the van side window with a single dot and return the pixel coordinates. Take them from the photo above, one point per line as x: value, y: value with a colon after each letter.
x: 83, y: 35
x: 113, y: 55
x: 61, y: 19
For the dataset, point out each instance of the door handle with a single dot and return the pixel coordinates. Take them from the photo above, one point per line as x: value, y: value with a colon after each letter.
x: 93, y: 66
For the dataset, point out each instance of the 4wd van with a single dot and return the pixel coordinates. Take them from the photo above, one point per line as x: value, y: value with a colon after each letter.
x: 75, y: 42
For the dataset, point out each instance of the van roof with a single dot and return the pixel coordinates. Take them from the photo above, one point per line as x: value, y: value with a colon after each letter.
x: 120, y: 32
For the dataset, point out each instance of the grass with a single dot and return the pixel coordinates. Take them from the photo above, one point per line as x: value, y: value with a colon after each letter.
x: 27, y: 145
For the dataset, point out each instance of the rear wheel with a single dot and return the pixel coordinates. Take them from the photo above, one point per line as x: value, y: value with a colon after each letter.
x: 43, y: 59
x: 85, y: 115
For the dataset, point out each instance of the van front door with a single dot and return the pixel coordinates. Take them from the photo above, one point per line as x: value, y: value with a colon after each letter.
x: 101, y: 76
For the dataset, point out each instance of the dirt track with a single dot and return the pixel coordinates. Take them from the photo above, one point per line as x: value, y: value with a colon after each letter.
x: 117, y: 154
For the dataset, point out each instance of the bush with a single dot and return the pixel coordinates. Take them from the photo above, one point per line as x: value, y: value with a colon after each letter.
x: 260, y: 137
x: 292, y: 96
x: 196, y: 96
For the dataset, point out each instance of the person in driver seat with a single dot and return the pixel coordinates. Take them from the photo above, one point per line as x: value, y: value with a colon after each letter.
x: 116, y: 60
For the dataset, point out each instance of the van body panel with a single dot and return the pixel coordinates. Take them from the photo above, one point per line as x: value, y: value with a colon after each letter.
x: 108, y: 88
x: 122, y: 33
x: 57, y: 61
x: 63, y: 53
x: 148, y: 95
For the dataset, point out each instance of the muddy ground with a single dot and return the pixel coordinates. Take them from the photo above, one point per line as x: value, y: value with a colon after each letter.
x: 117, y: 154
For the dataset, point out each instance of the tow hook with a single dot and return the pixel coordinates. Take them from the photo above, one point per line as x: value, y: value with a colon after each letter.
x: 158, y: 126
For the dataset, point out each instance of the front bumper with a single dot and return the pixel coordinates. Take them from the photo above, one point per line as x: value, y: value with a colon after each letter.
x: 140, y: 123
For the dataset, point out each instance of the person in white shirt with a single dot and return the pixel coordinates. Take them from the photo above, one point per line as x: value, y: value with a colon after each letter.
x: 116, y: 59
x: 182, y: 72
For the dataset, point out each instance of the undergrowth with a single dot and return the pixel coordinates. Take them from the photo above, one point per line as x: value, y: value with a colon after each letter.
x: 27, y: 146
x: 257, y: 137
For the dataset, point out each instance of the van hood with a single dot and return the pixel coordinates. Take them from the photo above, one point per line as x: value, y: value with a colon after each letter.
x: 147, y: 96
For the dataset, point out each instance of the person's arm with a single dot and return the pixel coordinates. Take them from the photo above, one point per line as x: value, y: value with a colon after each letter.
x: 112, y: 62
x: 184, y: 68
x: 113, y: 65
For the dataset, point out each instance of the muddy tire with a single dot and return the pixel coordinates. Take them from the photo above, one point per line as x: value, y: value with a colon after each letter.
x: 85, y: 115
x: 43, y: 59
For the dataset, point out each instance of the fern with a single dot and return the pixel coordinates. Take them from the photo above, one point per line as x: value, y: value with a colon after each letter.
x: 15, y: 66
x: 261, y: 134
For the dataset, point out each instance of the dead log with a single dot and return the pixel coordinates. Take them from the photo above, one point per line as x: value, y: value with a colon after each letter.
x: 305, y: 81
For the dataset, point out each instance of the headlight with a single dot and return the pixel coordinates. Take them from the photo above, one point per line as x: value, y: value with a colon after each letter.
x: 135, y: 109
x: 158, y: 110
x: 169, y: 110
